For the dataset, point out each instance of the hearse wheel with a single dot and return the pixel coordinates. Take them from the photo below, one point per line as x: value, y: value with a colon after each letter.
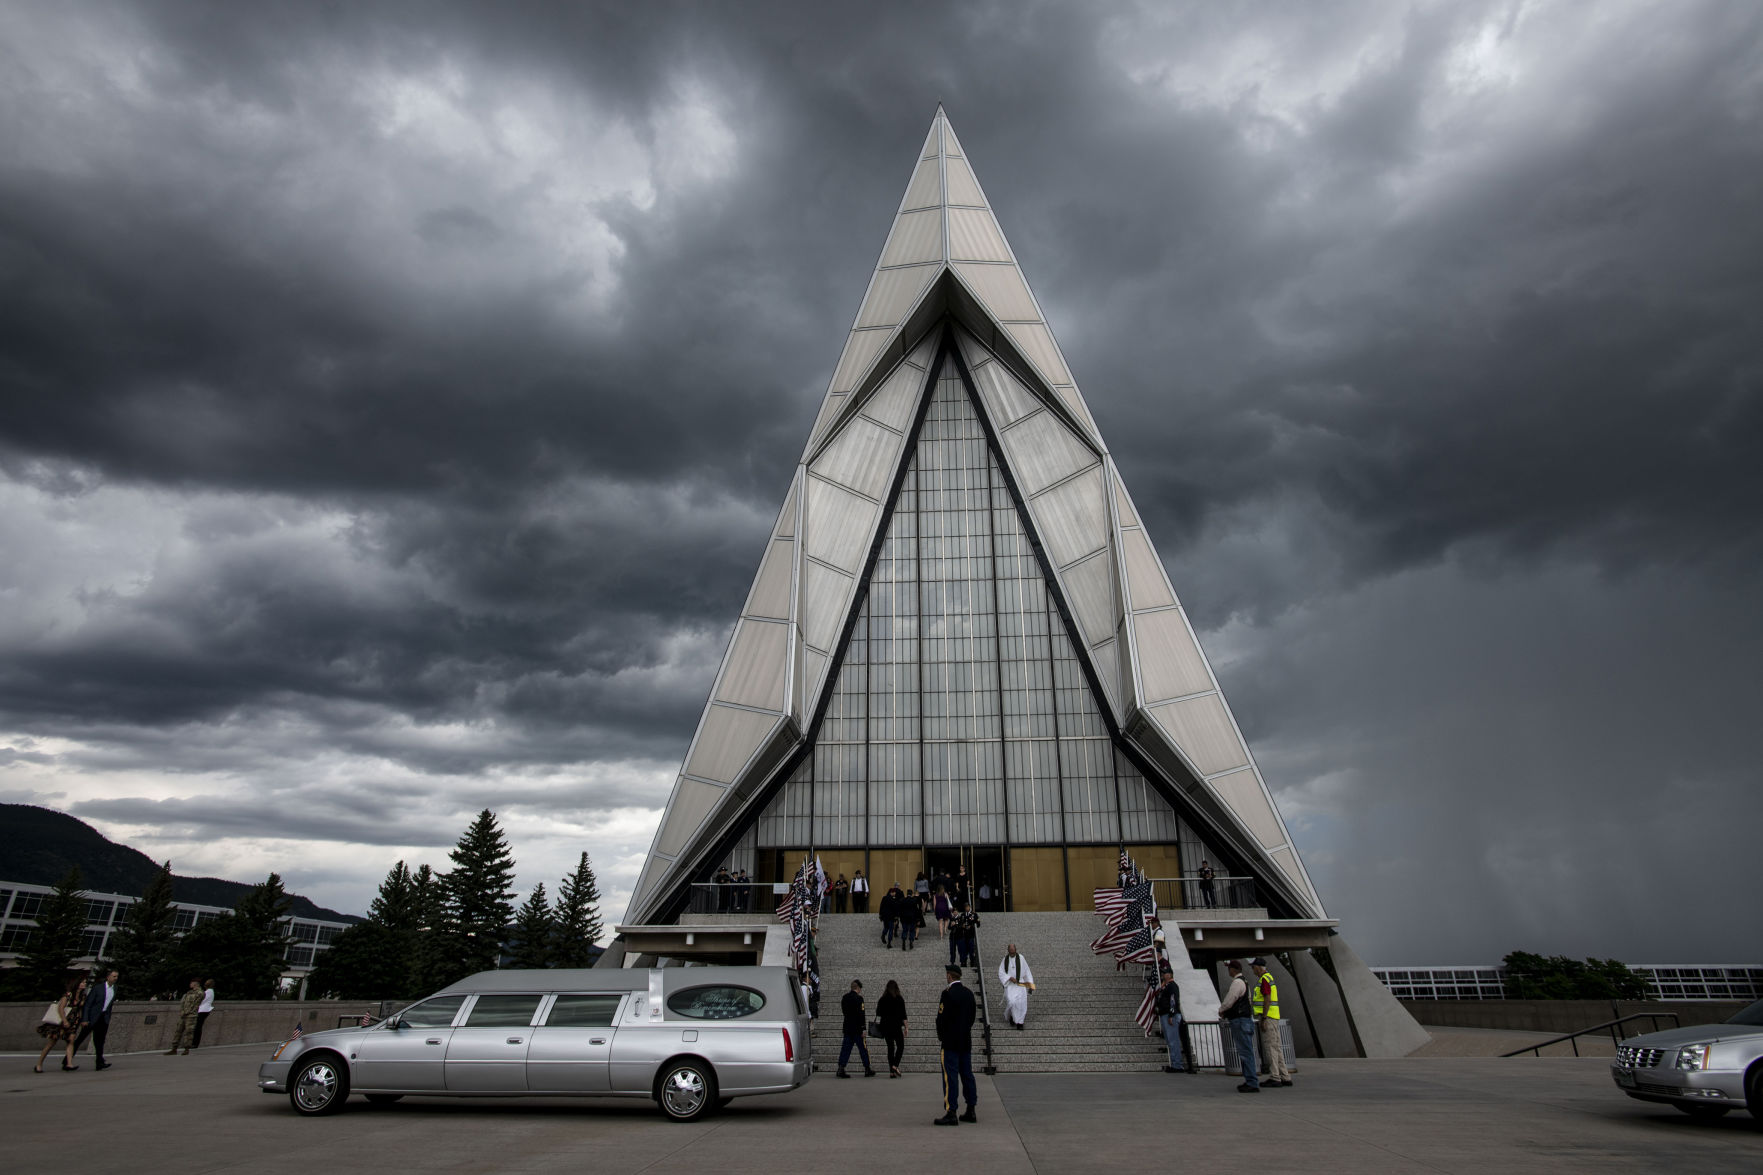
x: 686, y: 1090
x: 318, y: 1086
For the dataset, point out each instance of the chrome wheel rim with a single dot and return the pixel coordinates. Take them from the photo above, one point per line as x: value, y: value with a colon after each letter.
x: 316, y: 1086
x: 683, y: 1092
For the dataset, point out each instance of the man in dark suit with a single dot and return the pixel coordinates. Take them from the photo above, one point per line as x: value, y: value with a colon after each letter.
x: 100, y: 1002
x: 955, y: 1013
x: 855, y: 1026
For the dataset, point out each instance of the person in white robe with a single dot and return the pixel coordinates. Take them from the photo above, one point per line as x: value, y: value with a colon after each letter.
x: 1017, y: 980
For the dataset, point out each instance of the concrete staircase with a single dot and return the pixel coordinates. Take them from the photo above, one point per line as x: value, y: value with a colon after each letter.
x: 1079, y: 1019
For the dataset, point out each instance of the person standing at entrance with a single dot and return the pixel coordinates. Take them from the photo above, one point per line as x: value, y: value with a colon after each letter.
x: 203, y: 1011
x: 841, y: 893
x: 1206, y: 894
x: 859, y: 892
x: 890, y: 1011
x: 1234, y: 1009
x: 1017, y: 980
x: 1169, y: 1016
x: 955, y: 1014
x: 1265, y: 1000
x: 856, y: 1025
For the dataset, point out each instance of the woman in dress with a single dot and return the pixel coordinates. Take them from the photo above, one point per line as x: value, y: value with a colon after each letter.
x: 943, y: 911
x: 891, y: 1011
x: 68, y: 1009
x: 921, y: 889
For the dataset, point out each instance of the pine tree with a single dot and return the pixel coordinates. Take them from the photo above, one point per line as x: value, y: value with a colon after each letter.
x: 398, y: 906
x: 147, y: 939
x: 577, y: 918
x: 59, y: 937
x: 365, y: 962
x: 430, y: 965
x: 533, y: 928
x: 479, y: 902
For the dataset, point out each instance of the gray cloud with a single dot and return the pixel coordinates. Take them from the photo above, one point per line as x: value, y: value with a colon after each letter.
x: 393, y: 401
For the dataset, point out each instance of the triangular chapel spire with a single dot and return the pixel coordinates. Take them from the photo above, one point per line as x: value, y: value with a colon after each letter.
x: 948, y: 301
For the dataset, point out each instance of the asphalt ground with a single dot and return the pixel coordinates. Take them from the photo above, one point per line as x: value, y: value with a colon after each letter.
x: 202, y: 1114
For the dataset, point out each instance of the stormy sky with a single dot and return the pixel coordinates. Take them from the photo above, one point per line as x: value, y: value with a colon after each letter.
x: 394, y: 399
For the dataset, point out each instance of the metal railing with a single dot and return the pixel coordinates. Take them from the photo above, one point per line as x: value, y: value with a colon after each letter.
x: 1191, y: 893
x: 985, y: 1012
x: 1573, y: 1037
x: 734, y: 897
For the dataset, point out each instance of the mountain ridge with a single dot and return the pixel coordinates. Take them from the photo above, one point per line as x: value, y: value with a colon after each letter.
x: 39, y: 845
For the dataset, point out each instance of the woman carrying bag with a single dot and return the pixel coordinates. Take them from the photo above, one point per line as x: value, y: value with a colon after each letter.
x: 61, y: 1023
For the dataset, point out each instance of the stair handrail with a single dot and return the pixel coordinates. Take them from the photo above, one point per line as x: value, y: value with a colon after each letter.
x: 1655, y: 1017
x: 985, y: 1012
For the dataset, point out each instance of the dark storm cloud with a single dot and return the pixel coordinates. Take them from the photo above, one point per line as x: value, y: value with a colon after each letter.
x: 413, y: 385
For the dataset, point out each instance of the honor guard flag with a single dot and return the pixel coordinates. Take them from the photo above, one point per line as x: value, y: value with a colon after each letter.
x: 1137, y: 948
x: 1147, y: 1013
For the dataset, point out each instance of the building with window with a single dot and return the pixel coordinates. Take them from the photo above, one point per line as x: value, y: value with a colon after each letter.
x: 1665, y: 981
x: 106, y: 913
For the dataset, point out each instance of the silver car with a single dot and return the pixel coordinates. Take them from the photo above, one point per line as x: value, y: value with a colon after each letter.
x: 692, y: 1038
x: 1704, y: 1070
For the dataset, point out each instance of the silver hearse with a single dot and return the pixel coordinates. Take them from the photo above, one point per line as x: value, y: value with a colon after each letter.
x: 1705, y: 1070
x: 692, y: 1038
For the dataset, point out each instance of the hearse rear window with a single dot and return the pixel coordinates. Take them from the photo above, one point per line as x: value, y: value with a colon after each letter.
x: 721, y: 1002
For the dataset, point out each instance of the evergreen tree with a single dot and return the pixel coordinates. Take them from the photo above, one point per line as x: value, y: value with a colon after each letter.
x: 398, y: 906
x: 146, y: 941
x: 59, y: 937
x: 430, y: 964
x: 577, y: 918
x: 479, y: 895
x: 262, y: 937
x: 533, y: 928
x: 368, y: 961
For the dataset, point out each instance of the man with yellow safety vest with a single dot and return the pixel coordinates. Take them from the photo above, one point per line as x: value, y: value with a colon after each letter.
x: 1264, y: 998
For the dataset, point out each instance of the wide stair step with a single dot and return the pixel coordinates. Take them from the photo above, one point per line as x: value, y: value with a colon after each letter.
x: 1080, y: 1018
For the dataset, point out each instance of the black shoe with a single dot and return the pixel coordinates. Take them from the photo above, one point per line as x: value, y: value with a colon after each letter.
x: 1171, y: 1069
x: 946, y: 1120
x: 869, y: 1072
x: 67, y: 1068
x: 970, y: 1116
x: 841, y: 1073
x: 103, y: 1064
x: 1245, y: 1087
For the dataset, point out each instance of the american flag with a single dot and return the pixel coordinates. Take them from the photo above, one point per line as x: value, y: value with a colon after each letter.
x: 1147, y: 1013
x: 366, y: 1019
x: 1136, y: 948
x: 1111, y: 938
x: 294, y: 1035
x: 1109, y: 901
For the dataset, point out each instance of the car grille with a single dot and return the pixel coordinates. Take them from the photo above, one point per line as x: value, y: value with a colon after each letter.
x: 1667, y: 1090
x: 1638, y: 1058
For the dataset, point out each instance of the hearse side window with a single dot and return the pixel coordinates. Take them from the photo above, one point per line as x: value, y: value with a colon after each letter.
x: 502, y: 1011
x: 583, y: 1011
x: 721, y: 1002
x: 435, y: 1013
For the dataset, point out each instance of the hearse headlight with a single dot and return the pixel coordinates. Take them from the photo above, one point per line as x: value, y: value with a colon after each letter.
x: 1693, y: 1056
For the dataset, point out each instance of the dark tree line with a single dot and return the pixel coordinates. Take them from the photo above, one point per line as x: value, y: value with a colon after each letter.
x: 241, y: 951
x: 1557, y: 977
x: 425, y: 929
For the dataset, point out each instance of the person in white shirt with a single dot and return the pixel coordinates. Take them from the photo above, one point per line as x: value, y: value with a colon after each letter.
x: 1017, y: 980
x: 859, y: 893
x: 202, y: 1011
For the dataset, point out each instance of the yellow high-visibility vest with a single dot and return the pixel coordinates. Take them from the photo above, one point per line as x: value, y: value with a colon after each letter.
x: 1271, y: 1000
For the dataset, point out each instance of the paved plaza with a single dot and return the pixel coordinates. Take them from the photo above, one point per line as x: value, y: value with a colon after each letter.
x: 202, y: 1114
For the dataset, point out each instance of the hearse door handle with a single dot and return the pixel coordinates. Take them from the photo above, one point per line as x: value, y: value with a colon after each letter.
x: 514, y: 1040
x: 434, y: 1040
x: 597, y: 1040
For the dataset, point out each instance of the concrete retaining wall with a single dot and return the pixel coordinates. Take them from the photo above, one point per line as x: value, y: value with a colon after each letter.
x: 1559, y: 1016
x: 142, y: 1026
